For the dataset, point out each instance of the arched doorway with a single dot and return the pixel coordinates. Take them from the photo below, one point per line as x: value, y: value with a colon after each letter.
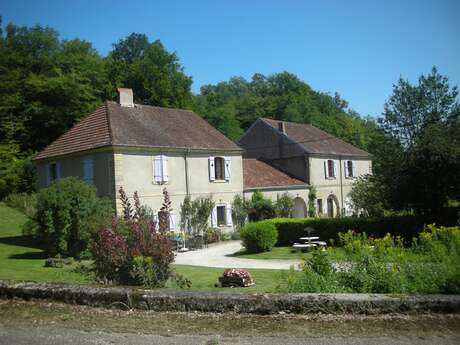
x: 300, y: 208
x: 333, y: 209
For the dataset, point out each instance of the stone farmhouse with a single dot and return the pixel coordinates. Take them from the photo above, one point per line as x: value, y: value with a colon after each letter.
x: 145, y: 149
x: 309, y: 155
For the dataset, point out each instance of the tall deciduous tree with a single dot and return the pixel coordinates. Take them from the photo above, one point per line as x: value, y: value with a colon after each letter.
x: 419, y: 160
x: 155, y: 75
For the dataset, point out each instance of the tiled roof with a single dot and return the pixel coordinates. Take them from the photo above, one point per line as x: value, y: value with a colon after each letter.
x: 316, y: 141
x: 257, y: 174
x: 91, y: 132
x: 139, y: 126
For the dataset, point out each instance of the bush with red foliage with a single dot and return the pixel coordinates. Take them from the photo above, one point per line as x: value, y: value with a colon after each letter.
x: 131, y: 241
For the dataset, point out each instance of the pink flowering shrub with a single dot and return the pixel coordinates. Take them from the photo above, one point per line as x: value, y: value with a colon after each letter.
x: 236, y: 277
x: 133, y: 250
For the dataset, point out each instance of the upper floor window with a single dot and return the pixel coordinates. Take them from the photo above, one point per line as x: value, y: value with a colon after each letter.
x: 219, y: 168
x: 160, y: 169
x: 330, y: 168
x: 88, y: 171
x: 350, y: 169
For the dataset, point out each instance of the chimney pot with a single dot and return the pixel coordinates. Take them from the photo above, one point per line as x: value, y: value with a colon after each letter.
x: 125, y: 97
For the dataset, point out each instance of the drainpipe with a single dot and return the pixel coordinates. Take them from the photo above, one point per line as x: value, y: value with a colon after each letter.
x: 341, y: 188
x: 187, y: 190
x: 187, y: 181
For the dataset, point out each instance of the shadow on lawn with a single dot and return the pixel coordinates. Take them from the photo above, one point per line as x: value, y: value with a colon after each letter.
x: 24, y: 241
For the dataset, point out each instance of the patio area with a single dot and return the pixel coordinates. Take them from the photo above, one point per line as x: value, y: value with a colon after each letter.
x: 220, y: 255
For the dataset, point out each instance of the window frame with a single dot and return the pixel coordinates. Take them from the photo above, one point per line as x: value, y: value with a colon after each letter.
x: 223, y: 221
x: 319, y: 206
x: 221, y: 166
x: 90, y: 162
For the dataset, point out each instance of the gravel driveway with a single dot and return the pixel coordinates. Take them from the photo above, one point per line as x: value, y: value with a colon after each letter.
x: 219, y: 255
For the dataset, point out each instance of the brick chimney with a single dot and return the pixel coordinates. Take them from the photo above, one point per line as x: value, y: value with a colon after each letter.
x: 125, y: 97
x: 281, y: 127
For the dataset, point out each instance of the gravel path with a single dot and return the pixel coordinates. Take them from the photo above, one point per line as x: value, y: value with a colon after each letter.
x: 219, y: 255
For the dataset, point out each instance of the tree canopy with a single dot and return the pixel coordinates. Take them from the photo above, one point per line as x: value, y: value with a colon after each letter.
x: 232, y: 106
x: 417, y: 151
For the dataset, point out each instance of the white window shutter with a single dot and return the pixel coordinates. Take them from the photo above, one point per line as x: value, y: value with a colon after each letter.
x: 335, y: 168
x: 228, y: 168
x: 229, y: 215
x: 48, y: 174
x: 353, y: 166
x: 164, y: 168
x: 214, y: 218
x: 326, y: 170
x: 172, y: 221
x: 212, y: 172
x: 345, y: 166
x: 157, y: 169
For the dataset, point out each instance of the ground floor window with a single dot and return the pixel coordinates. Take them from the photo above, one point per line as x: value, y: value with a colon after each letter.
x: 221, y: 215
x: 319, y: 205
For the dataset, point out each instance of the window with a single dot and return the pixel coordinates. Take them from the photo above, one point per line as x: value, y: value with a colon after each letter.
x: 221, y: 215
x: 166, y: 222
x: 53, y: 172
x: 350, y: 169
x: 219, y: 168
x: 330, y: 169
x: 319, y: 205
x: 88, y: 171
x: 160, y: 169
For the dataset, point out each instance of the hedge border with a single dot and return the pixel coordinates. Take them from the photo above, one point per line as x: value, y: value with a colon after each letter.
x: 188, y: 301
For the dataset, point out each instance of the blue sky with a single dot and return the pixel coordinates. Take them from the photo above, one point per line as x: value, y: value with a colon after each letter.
x: 356, y: 48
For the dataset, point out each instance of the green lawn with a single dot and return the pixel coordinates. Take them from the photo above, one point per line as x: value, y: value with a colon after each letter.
x: 288, y: 253
x: 204, y: 278
x: 22, y: 259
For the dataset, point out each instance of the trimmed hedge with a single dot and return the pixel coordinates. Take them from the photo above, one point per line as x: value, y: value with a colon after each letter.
x: 291, y: 229
x: 259, y: 237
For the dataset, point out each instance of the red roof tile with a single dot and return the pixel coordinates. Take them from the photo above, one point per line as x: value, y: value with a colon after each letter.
x: 257, y: 174
x: 139, y: 126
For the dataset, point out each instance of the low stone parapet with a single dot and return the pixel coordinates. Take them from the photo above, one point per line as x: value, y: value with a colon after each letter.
x: 222, y: 302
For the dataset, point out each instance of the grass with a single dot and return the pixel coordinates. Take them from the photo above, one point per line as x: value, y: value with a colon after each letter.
x: 287, y: 253
x: 204, y: 278
x: 21, y: 259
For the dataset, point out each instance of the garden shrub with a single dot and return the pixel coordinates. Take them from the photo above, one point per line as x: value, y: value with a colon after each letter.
x: 259, y: 237
x: 68, y: 213
x: 385, y: 265
x: 26, y: 203
x: 260, y: 208
x: 291, y: 229
x: 134, y: 250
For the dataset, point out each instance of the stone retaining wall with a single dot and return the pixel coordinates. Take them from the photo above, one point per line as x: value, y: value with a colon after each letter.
x: 172, y: 300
